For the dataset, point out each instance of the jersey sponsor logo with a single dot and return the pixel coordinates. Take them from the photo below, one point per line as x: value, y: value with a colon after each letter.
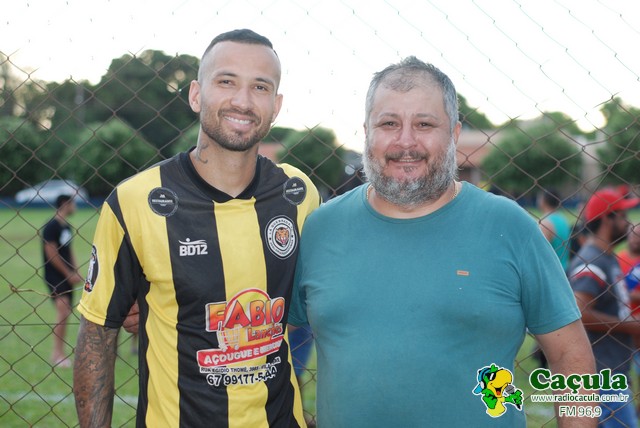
x: 163, y: 201
x: 92, y: 272
x: 281, y: 237
x: 193, y: 248
x: 294, y: 190
x: 247, y: 327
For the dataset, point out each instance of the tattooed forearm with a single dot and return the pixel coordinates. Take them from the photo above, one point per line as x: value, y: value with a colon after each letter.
x: 93, y: 374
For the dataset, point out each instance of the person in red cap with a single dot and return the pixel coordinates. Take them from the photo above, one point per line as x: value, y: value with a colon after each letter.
x: 603, y: 298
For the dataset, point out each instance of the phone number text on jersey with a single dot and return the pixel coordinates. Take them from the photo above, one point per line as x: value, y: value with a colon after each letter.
x: 241, y: 379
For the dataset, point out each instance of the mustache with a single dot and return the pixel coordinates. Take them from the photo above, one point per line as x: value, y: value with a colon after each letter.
x: 406, y: 154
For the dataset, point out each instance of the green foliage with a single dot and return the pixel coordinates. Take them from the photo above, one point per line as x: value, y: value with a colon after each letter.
x: 316, y: 153
x: 106, y: 154
x: 35, y: 394
x: 620, y: 156
x: 148, y: 91
x: 63, y: 106
x: 20, y: 165
x: 533, y: 156
x: 187, y: 139
x: 279, y: 134
x: 471, y: 118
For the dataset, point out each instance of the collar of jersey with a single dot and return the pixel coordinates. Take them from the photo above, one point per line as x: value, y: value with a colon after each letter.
x: 215, y: 194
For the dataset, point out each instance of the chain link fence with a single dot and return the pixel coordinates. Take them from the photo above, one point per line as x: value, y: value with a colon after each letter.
x: 548, y: 104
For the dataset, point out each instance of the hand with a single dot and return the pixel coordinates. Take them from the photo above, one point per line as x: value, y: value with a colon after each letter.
x: 515, y: 398
x: 132, y: 320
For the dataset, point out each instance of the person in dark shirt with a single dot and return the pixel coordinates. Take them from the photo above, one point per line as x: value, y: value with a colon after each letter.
x: 60, y: 272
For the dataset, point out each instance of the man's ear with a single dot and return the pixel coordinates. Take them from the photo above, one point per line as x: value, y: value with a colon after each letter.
x: 194, y: 96
x: 456, y: 132
x: 278, y: 106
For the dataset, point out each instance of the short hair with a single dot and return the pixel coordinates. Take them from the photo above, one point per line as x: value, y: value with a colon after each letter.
x: 406, y: 75
x: 243, y: 35
x: 62, y: 199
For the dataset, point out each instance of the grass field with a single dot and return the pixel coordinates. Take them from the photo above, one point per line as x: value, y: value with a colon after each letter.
x: 33, y: 393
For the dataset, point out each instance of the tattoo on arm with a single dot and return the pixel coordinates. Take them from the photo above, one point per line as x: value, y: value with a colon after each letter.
x: 93, y: 374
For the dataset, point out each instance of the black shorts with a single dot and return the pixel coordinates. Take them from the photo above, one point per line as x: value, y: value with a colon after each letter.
x: 60, y: 289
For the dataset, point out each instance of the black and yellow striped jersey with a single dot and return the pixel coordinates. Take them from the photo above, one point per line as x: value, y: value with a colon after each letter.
x: 212, y: 275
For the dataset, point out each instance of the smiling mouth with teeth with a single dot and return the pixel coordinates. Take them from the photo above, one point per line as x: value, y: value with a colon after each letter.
x: 240, y: 121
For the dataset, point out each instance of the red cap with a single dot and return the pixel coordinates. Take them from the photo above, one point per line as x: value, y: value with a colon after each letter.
x: 607, y: 201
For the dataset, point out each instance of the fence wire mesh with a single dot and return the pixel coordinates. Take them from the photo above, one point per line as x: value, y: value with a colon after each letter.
x: 547, y: 97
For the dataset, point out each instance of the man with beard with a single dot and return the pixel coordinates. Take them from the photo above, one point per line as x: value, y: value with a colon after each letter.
x: 598, y: 283
x: 206, y: 244
x: 414, y: 283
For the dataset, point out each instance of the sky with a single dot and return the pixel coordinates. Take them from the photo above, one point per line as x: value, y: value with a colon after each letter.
x: 508, y: 58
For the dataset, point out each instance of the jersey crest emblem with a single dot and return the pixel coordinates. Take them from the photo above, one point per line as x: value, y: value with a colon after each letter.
x: 281, y: 237
x: 92, y: 272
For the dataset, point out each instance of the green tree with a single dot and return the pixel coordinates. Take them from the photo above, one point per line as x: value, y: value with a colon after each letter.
x: 107, y: 153
x: 620, y: 156
x: 279, y: 134
x: 187, y: 139
x: 530, y: 156
x: 471, y: 118
x: 62, y: 107
x: 8, y: 85
x: 316, y: 153
x: 148, y: 91
x: 20, y: 165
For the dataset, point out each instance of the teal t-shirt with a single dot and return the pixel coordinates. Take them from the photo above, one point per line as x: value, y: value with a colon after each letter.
x: 405, y: 313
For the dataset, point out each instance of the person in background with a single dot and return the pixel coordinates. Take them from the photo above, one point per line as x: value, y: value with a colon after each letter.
x: 554, y: 225
x: 556, y: 229
x: 579, y: 236
x: 301, y: 342
x: 603, y: 298
x: 60, y: 272
x: 206, y: 243
x: 629, y: 258
x: 418, y: 287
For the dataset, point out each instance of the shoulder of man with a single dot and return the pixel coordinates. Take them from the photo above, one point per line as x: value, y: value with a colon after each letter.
x: 312, y: 193
x: 497, y: 206
x: 134, y: 187
x: 50, y: 228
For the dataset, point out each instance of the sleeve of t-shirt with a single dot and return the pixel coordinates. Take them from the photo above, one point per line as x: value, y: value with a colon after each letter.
x: 298, y: 307
x: 110, y: 288
x: 548, y: 301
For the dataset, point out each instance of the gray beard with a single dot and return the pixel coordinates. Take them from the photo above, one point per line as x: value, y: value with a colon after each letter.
x: 414, y: 192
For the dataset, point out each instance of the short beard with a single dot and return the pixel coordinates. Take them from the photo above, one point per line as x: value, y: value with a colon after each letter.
x: 441, y: 172
x: 231, y: 140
